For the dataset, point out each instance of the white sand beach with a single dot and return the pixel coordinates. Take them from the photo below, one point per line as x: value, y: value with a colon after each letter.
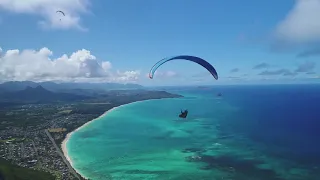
x: 65, y: 141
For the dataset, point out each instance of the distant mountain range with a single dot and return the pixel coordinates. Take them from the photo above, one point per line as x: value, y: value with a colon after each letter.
x: 27, y: 92
x: 65, y: 87
x: 38, y: 95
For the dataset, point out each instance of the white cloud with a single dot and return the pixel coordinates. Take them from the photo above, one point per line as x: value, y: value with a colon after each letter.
x: 164, y: 74
x: 302, y: 24
x: 315, y: 77
x: 47, y: 10
x: 127, y: 76
x: 38, y: 66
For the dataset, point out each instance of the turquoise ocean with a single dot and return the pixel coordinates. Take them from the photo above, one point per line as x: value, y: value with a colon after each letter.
x: 249, y: 133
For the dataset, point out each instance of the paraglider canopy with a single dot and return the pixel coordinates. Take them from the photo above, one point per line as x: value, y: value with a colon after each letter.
x: 61, y: 13
x: 195, y: 59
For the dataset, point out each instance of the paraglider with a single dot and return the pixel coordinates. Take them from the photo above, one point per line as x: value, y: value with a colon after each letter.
x: 184, y: 114
x: 195, y: 59
x: 61, y: 13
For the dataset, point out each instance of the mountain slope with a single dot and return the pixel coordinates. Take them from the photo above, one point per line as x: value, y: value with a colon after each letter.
x: 52, y: 86
x: 38, y: 95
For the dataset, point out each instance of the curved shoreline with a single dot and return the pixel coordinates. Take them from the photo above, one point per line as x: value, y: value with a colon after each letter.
x: 65, y: 141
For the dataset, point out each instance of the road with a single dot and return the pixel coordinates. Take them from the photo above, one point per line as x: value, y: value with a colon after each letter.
x: 62, y: 156
x: 35, y: 149
x: 22, y: 150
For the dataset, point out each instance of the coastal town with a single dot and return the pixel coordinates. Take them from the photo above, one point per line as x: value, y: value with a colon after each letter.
x: 30, y: 146
x: 31, y: 135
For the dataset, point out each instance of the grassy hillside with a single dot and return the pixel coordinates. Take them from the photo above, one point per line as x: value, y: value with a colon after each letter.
x: 13, y: 172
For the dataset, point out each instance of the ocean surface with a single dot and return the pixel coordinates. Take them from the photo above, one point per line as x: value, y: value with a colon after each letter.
x: 250, y: 133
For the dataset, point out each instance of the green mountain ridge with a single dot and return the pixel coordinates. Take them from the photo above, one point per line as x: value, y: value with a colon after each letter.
x: 52, y: 86
x: 39, y: 95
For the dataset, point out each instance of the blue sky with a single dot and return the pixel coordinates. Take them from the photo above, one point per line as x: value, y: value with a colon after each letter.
x: 133, y: 35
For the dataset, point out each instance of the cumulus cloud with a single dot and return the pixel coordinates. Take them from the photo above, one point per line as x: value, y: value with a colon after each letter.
x: 234, y: 78
x: 164, y: 74
x: 306, y: 67
x: 47, y: 10
x: 16, y: 65
x: 289, y: 73
x: 261, y: 66
x: 311, y: 72
x: 275, y: 72
x: 315, y: 77
x: 301, y: 25
x: 235, y: 70
x: 309, y: 53
x: 126, y: 76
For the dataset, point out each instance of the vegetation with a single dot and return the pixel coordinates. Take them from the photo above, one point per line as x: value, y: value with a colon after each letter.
x: 15, y: 140
x: 23, y: 116
x: 9, y: 171
x: 30, y: 108
x: 66, y: 87
x: 39, y: 95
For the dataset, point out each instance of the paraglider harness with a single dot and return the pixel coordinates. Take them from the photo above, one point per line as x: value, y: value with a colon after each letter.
x: 183, y: 114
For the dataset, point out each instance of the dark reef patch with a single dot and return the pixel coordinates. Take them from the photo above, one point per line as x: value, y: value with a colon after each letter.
x: 88, y: 134
x: 146, y: 172
x: 241, y: 169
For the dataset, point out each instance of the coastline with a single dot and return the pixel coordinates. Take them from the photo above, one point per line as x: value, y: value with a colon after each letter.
x: 65, y: 141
